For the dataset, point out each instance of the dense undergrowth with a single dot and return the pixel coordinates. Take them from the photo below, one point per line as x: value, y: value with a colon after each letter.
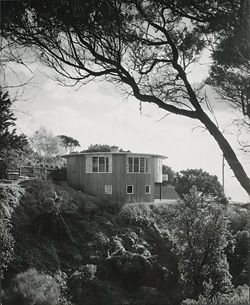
x: 94, y: 252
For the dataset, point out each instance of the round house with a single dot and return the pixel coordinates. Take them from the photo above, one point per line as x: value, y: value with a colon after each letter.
x: 120, y: 176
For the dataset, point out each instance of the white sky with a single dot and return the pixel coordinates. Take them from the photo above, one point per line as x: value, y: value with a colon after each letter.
x: 98, y: 114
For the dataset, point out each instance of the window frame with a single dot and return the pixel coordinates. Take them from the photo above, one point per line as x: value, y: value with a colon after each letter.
x: 132, y: 189
x: 108, y: 186
x: 149, y: 189
x: 142, y: 167
x: 99, y: 164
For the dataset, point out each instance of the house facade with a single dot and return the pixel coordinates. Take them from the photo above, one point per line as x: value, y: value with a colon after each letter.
x: 120, y: 176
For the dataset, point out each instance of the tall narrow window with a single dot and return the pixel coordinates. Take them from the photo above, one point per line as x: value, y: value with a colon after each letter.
x: 107, y: 165
x: 130, y: 165
x: 147, y: 189
x: 130, y: 189
x: 95, y: 168
x: 142, y: 165
x: 101, y: 164
x: 146, y: 165
x: 136, y: 165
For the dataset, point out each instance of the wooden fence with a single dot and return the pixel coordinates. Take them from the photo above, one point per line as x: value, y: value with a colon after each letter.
x: 36, y: 173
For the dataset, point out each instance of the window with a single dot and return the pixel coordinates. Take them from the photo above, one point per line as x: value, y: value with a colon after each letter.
x: 138, y: 165
x: 147, y: 189
x: 108, y: 189
x: 98, y: 164
x: 130, y: 189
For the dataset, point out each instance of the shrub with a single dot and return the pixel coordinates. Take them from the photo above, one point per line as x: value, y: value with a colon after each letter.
x: 239, y: 296
x: 137, y: 214
x: 31, y: 287
x: 9, y: 198
x: 201, y: 238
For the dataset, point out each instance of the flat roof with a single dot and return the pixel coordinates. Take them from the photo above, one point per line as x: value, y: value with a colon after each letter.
x: 114, y: 153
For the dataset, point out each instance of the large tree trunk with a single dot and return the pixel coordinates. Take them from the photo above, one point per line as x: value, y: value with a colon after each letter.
x: 227, y: 150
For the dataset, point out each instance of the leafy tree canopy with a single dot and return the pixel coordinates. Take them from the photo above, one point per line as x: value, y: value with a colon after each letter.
x: 69, y: 143
x: 168, y: 170
x: 230, y: 72
x: 201, y: 238
x: 207, y: 185
x: 101, y: 148
x: 45, y: 144
x: 9, y: 139
x: 147, y: 47
x: 12, y: 145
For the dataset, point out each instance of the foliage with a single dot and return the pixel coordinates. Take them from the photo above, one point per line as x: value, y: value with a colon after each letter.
x: 238, y: 258
x: 98, y: 148
x: 69, y: 143
x: 12, y: 145
x: 31, y: 287
x: 102, y: 293
x: 101, y: 148
x: 208, y: 185
x: 45, y: 144
x: 171, y: 174
x: 9, y: 197
x: 238, y: 248
x: 201, y: 238
x: 239, y: 296
x: 147, y: 48
x: 107, y: 256
x: 230, y: 72
x: 8, y: 135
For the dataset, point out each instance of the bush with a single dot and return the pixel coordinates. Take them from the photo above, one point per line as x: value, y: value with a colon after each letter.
x: 31, y: 287
x: 239, y: 296
x: 137, y: 214
x: 201, y: 238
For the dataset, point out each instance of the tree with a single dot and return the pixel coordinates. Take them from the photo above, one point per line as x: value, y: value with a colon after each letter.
x: 146, y: 47
x: 45, y: 144
x: 167, y: 170
x: 207, y: 185
x: 101, y: 148
x: 69, y: 143
x: 201, y: 240
x: 230, y: 72
x: 11, y: 143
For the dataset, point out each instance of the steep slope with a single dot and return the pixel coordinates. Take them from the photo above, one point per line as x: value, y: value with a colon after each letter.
x: 110, y: 254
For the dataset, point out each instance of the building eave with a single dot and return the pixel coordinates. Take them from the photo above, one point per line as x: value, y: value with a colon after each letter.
x: 113, y: 153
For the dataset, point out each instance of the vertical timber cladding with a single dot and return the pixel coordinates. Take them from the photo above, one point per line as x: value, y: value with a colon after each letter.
x: 139, y: 181
x: 72, y: 171
x: 80, y: 176
x: 94, y: 182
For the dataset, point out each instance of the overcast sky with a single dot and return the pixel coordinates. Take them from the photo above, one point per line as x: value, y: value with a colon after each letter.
x: 99, y: 113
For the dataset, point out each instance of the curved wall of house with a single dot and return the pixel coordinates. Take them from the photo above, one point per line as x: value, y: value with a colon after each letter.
x: 100, y: 183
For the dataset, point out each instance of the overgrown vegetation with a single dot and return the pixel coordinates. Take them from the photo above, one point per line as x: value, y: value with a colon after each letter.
x: 95, y: 253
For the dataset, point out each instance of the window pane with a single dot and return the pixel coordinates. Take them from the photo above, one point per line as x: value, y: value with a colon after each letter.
x: 107, y: 164
x: 129, y: 189
x: 147, y: 166
x: 108, y: 189
x: 136, y: 165
x: 101, y: 164
x: 130, y: 165
x: 95, y: 164
x: 147, y: 189
x: 142, y: 164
